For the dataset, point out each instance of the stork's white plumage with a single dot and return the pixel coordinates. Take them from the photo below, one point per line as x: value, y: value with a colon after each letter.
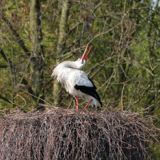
x: 77, y: 82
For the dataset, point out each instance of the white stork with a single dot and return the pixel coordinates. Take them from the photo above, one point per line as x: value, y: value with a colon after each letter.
x: 76, y: 82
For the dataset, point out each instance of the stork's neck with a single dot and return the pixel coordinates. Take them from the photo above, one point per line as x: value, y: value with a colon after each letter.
x: 72, y: 64
x: 61, y: 68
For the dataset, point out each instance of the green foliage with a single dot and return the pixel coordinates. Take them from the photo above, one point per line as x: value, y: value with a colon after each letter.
x: 125, y: 58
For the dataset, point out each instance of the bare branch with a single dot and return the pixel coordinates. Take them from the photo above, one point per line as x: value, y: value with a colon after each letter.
x: 10, y: 63
x: 25, y: 83
x: 3, y: 55
x: 17, y: 37
x: 3, y: 66
x: 5, y: 99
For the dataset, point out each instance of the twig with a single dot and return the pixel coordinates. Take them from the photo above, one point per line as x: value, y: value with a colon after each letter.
x: 102, y: 33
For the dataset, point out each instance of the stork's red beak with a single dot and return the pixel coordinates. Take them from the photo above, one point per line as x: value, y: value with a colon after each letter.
x: 86, y: 52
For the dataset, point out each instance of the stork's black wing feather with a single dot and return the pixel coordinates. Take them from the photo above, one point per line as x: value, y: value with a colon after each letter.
x: 90, y: 91
x: 92, y: 83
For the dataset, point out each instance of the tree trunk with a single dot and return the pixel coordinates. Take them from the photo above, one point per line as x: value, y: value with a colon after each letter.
x: 37, y: 59
x: 60, y: 46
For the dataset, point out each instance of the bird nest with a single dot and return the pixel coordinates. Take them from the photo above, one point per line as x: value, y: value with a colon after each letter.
x: 65, y: 135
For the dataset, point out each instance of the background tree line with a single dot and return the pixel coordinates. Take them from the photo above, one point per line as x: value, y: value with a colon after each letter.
x: 36, y: 35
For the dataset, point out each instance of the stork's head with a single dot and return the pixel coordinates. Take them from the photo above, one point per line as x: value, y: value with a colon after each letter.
x: 81, y: 61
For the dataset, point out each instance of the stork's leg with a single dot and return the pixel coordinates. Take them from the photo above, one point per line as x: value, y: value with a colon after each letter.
x: 89, y: 102
x: 76, y: 103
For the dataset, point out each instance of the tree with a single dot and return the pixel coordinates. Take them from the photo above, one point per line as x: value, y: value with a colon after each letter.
x: 60, y: 46
x: 37, y: 57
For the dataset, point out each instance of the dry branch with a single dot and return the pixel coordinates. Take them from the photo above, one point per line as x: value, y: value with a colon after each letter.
x: 17, y: 37
x: 65, y: 135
